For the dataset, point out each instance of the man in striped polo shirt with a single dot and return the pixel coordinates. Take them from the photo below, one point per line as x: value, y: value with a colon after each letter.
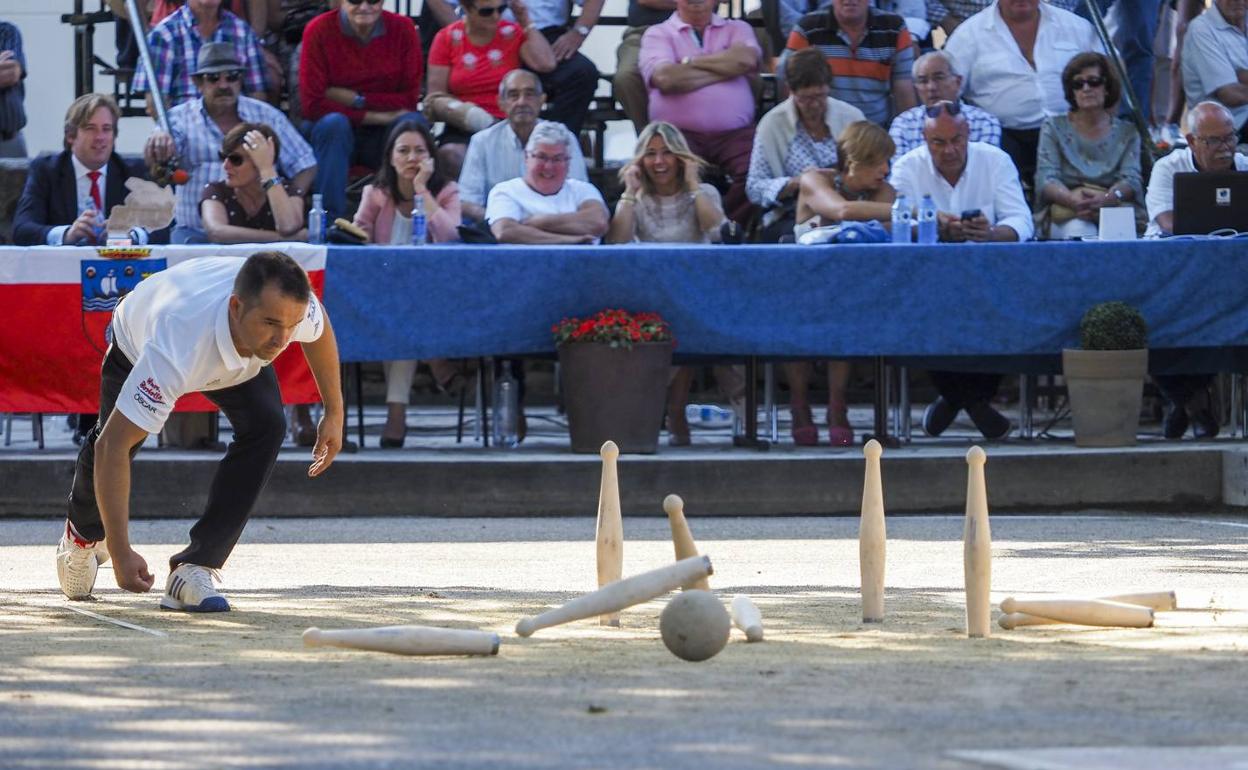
x: 870, y: 53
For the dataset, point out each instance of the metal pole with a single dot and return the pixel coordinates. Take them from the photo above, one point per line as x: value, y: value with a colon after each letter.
x: 1128, y: 91
x: 139, y: 26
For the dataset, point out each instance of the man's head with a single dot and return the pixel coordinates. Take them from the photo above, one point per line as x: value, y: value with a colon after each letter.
x: 520, y: 98
x: 219, y: 76
x: 850, y: 13
x: 1233, y: 11
x: 362, y: 14
x: 696, y: 13
x: 546, y: 158
x: 1018, y: 11
x: 91, y: 129
x: 946, y: 133
x: 1212, y: 137
x: 935, y: 78
x: 270, y: 299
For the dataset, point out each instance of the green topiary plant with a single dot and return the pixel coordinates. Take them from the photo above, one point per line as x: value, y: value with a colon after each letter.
x: 1113, y: 326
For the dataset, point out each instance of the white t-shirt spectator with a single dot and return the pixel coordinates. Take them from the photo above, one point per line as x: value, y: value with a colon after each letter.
x: 988, y: 183
x: 1160, y: 195
x: 996, y: 75
x: 514, y: 199
x: 1214, y: 54
x: 175, y: 328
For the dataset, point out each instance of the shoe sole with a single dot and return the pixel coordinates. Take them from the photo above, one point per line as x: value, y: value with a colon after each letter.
x: 211, y: 604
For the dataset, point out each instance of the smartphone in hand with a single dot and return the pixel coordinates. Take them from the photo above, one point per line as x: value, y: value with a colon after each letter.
x: 971, y: 214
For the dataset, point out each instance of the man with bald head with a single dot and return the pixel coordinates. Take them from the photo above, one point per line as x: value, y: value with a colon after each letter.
x: 1210, y: 148
x: 937, y: 81
x: 978, y: 198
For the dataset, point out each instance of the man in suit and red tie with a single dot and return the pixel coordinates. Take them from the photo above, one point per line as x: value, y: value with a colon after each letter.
x: 68, y: 195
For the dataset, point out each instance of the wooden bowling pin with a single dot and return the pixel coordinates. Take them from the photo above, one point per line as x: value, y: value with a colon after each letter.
x: 1158, y: 601
x: 747, y: 618
x: 610, y: 530
x: 1083, y: 612
x: 977, y: 548
x: 872, y: 537
x: 622, y: 593
x: 682, y: 538
x: 407, y: 640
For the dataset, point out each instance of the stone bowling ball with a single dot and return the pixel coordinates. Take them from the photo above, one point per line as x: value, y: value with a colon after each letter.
x: 695, y: 625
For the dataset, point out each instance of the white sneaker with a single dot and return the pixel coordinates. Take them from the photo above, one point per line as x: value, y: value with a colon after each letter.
x: 77, y: 562
x: 190, y: 589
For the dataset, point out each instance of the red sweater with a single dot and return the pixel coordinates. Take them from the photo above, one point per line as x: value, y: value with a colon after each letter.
x: 387, y: 69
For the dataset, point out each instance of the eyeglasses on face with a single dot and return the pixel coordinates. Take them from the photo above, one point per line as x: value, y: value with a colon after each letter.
x: 953, y: 108
x: 230, y: 77
x: 370, y: 2
x: 936, y: 79
x: 1226, y: 140
x: 490, y: 10
x: 556, y: 160
x: 235, y: 158
x: 1078, y: 84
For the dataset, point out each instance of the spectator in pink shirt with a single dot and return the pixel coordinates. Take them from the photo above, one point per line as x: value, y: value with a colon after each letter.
x: 697, y: 68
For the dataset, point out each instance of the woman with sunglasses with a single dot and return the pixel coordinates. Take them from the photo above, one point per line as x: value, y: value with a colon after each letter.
x: 468, y: 60
x: 253, y: 204
x: 1088, y: 158
x: 408, y: 172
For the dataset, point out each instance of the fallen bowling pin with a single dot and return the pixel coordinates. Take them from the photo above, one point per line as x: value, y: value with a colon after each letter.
x: 621, y: 594
x: 747, y: 618
x: 977, y: 548
x: 682, y: 538
x: 406, y: 640
x: 609, y: 533
x: 1158, y: 601
x: 872, y: 538
x: 1083, y: 612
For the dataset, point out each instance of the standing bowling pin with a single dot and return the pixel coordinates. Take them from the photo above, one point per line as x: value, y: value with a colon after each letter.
x: 872, y: 537
x: 682, y: 538
x: 977, y: 548
x: 747, y: 618
x: 610, y: 532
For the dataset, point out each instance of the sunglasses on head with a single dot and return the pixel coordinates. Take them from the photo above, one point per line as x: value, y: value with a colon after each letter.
x: 1078, y: 84
x: 487, y: 12
x: 370, y: 2
x: 235, y: 158
x: 230, y: 77
x: 953, y: 108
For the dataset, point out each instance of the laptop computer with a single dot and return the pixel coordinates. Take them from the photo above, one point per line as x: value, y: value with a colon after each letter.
x: 1207, y: 202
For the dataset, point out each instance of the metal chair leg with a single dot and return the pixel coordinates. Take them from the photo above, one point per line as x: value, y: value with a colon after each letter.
x: 903, y: 397
x: 1026, y: 415
x: 36, y: 428
x: 769, y: 395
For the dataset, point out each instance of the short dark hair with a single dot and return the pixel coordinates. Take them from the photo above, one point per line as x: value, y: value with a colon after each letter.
x: 1080, y: 62
x: 234, y: 139
x: 271, y: 267
x: 806, y: 68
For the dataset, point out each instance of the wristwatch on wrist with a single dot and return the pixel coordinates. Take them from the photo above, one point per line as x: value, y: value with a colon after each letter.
x: 685, y: 60
x: 581, y: 30
x: 271, y: 181
x: 1117, y: 194
x: 358, y: 102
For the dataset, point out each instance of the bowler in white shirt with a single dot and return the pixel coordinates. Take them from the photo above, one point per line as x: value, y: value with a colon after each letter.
x: 211, y: 325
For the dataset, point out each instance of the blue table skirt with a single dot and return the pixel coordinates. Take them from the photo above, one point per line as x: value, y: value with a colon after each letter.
x: 1016, y: 300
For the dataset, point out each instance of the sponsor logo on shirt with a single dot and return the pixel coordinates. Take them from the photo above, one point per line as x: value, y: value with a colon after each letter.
x: 150, y: 389
x: 144, y: 403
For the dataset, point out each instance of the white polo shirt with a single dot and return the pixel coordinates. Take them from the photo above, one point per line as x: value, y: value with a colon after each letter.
x: 988, y: 183
x: 1160, y: 196
x: 174, y: 327
x: 514, y: 199
x: 996, y: 75
x: 1214, y: 53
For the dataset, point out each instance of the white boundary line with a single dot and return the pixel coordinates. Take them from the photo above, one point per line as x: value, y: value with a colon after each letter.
x: 115, y: 621
x: 1213, y: 522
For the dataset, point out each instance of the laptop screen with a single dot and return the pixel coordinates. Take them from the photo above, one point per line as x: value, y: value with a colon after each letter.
x: 1204, y: 203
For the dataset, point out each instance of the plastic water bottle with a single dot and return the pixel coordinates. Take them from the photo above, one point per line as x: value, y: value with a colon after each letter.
x: 709, y: 415
x: 927, y: 220
x: 98, y: 232
x: 506, y: 409
x: 316, y: 220
x: 901, y: 220
x: 419, y: 235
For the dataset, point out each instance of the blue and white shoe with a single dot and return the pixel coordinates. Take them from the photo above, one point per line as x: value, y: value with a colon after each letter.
x: 190, y: 589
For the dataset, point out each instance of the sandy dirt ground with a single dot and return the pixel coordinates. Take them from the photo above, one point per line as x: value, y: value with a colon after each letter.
x: 824, y: 691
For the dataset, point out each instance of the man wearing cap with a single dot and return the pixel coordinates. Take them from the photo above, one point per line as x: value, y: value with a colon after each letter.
x: 198, y: 126
x: 210, y: 325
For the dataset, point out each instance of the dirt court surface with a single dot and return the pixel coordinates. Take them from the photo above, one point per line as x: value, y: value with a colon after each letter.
x: 824, y: 691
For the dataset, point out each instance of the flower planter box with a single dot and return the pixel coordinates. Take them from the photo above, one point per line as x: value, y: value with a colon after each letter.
x: 615, y: 393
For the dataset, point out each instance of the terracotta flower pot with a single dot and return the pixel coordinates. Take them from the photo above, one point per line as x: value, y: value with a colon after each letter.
x: 1106, y: 387
x: 615, y: 393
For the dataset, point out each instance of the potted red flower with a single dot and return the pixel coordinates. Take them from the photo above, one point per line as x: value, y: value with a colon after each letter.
x: 614, y: 368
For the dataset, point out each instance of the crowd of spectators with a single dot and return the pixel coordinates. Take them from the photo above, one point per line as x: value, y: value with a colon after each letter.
x: 1016, y: 128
